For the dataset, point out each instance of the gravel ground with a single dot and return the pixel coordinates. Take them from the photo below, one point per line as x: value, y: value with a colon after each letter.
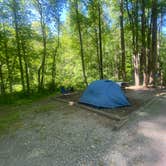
x: 142, y: 141
x: 69, y: 136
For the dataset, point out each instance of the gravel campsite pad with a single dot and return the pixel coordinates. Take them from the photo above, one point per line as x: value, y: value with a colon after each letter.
x: 52, y: 133
x: 137, y: 98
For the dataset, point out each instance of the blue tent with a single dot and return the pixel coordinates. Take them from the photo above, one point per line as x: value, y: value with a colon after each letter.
x: 104, y: 94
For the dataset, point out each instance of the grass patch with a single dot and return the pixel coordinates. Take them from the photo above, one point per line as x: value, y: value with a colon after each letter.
x: 44, y: 108
x: 20, y: 98
x: 16, y: 105
x: 8, y: 118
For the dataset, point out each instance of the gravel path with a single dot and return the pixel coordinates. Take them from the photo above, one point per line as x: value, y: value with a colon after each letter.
x: 68, y: 136
x: 142, y: 142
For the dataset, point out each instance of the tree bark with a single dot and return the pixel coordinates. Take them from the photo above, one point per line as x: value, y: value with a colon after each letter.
x: 26, y: 66
x: 123, y: 65
x: 133, y: 18
x: 81, y: 42
x: 7, y: 62
x: 154, y: 43
x: 41, y: 70
x: 18, y: 43
x: 143, y: 67
x: 100, y: 42
x: 159, y: 48
x: 136, y: 58
x: 97, y: 51
x: 149, y: 34
x: 44, y: 56
x: 55, y: 54
x: 2, y: 85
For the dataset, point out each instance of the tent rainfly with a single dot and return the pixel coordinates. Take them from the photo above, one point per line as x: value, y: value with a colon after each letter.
x: 104, y: 94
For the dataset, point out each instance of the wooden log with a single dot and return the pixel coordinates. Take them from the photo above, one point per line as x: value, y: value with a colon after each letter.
x: 101, y: 112
x: 118, y: 125
x: 98, y: 111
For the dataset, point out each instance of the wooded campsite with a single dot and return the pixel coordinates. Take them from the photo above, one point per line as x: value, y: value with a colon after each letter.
x: 82, y: 82
x: 48, y: 44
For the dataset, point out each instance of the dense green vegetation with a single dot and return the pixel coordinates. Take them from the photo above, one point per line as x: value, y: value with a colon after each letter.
x: 45, y: 44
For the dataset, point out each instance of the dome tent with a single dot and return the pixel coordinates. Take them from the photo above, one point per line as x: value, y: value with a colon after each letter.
x: 104, y: 94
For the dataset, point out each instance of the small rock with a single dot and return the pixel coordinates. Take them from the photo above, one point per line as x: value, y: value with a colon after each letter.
x: 92, y: 146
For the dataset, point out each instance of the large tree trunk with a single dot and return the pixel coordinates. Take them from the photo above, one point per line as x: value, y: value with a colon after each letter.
x: 154, y: 43
x: 133, y: 18
x: 159, y: 48
x: 136, y: 55
x: 149, y: 33
x: 81, y: 42
x: 100, y: 41
x: 123, y: 67
x: 143, y: 67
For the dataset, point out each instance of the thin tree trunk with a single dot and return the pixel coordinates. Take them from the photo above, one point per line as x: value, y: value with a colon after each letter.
x: 54, y: 66
x: 55, y: 54
x: 18, y: 44
x: 41, y: 70
x: 39, y: 78
x: 20, y: 60
x: 26, y: 66
x: 2, y: 85
x: 149, y: 48
x: 100, y: 41
x: 97, y: 50
x: 8, y: 63
x: 116, y: 70
x: 44, y: 57
x: 123, y: 67
x: 81, y: 43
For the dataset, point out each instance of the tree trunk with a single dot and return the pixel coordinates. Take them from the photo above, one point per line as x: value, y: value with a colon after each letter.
x: 81, y: 43
x: 44, y: 56
x: 143, y: 67
x: 154, y: 43
x: 26, y: 66
x: 54, y: 66
x: 100, y: 42
x: 55, y: 54
x: 123, y: 67
x: 41, y: 70
x: 159, y: 48
x: 97, y: 51
x: 136, y: 55
x: 133, y: 18
x: 149, y: 48
x: 39, y: 78
x: 8, y: 63
x: 18, y: 43
x: 2, y: 85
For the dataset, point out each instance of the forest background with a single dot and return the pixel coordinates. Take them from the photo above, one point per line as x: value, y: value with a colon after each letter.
x: 46, y: 44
